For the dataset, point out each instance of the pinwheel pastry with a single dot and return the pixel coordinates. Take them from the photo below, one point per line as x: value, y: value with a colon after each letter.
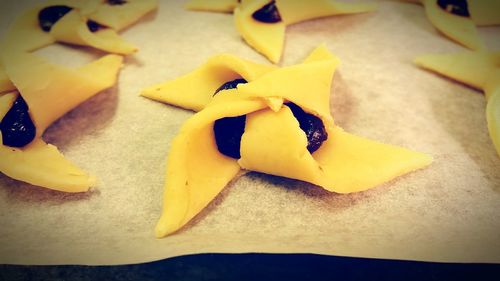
x: 93, y: 23
x: 478, y: 69
x: 38, y: 93
x: 457, y: 19
x: 262, y: 23
x: 271, y: 120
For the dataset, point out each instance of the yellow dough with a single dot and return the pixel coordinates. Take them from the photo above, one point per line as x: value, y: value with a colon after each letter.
x: 225, y: 6
x: 269, y: 38
x: 72, y: 28
x: 198, y: 87
x: 492, y: 93
x: 43, y: 165
x: 479, y: 69
x: 273, y: 142
x: 471, y: 68
x: 294, y: 11
x: 50, y: 91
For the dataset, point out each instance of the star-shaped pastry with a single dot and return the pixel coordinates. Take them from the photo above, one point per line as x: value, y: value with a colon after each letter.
x: 262, y: 23
x: 457, y: 19
x: 43, y: 92
x: 93, y: 23
x: 275, y: 121
x: 478, y: 69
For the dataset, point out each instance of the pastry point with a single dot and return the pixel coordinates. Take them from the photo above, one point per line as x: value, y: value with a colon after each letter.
x: 196, y: 89
x: 266, y: 38
x: 298, y: 11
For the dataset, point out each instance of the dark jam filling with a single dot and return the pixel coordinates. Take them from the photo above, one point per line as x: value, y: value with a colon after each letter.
x: 17, y: 127
x: 311, y: 125
x: 93, y: 26
x: 47, y: 17
x: 267, y: 14
x: 228, y: 130
x: 456, y: 7
x: 116, y: 2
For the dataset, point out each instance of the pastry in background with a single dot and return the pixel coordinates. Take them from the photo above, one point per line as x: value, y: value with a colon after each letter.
x: 478, y: 69
x: 278, y: 122
x: 262, y: 23
x: 457, y: 19
x: 93, y: 23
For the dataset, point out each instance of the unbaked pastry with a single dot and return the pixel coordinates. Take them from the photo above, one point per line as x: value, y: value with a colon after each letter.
x: 273, y: 141
x: 478, y: 69
x: 457, y: 19
x: 43, y: 93
x: 91, y: 23
x: 262, y: 23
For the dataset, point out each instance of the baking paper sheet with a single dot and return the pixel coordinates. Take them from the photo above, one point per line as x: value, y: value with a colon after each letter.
x: 446, y: 212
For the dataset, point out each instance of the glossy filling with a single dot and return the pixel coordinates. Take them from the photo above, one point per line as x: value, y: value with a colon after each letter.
x: 268, y: 14
x: 229, y: 130
x: 456, y: 7
x: 116, y: 2
x: 17, y: 127
x: 47, y: 17
x: 93, y: 26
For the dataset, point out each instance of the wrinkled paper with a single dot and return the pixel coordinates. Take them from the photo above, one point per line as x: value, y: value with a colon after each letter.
x: 445, y: 212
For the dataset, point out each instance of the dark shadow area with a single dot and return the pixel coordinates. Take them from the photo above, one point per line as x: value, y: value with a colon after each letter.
x: 460, y: 118
x: 26, y: 193
x: 252, y: 266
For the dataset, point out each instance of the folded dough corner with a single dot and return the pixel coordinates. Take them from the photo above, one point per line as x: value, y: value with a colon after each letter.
x: 273, y: 141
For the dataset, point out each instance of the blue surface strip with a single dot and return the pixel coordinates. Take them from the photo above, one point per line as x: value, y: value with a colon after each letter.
x: 260, y: 267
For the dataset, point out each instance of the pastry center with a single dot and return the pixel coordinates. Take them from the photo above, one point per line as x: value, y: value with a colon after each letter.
x: 17, y: 127
x: 268, y: 14
x: 456, y: 7
x: 93, y: 26
x: 229, y: 130
x: 47, y: 17
x: 116, y: 2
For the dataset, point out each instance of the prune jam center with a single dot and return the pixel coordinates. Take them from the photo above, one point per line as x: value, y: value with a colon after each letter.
x: 456, y: 7
x: 93, y: 26
x: 268, y: 14
x: 228, y: 130
x: 116, y: 2
x: 17, y: 127
x: 312, y: 126
x: 230, y: 85
x: 47, y: 17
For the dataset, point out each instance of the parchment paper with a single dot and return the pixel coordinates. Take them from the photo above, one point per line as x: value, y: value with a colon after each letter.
x: 446, y: 212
